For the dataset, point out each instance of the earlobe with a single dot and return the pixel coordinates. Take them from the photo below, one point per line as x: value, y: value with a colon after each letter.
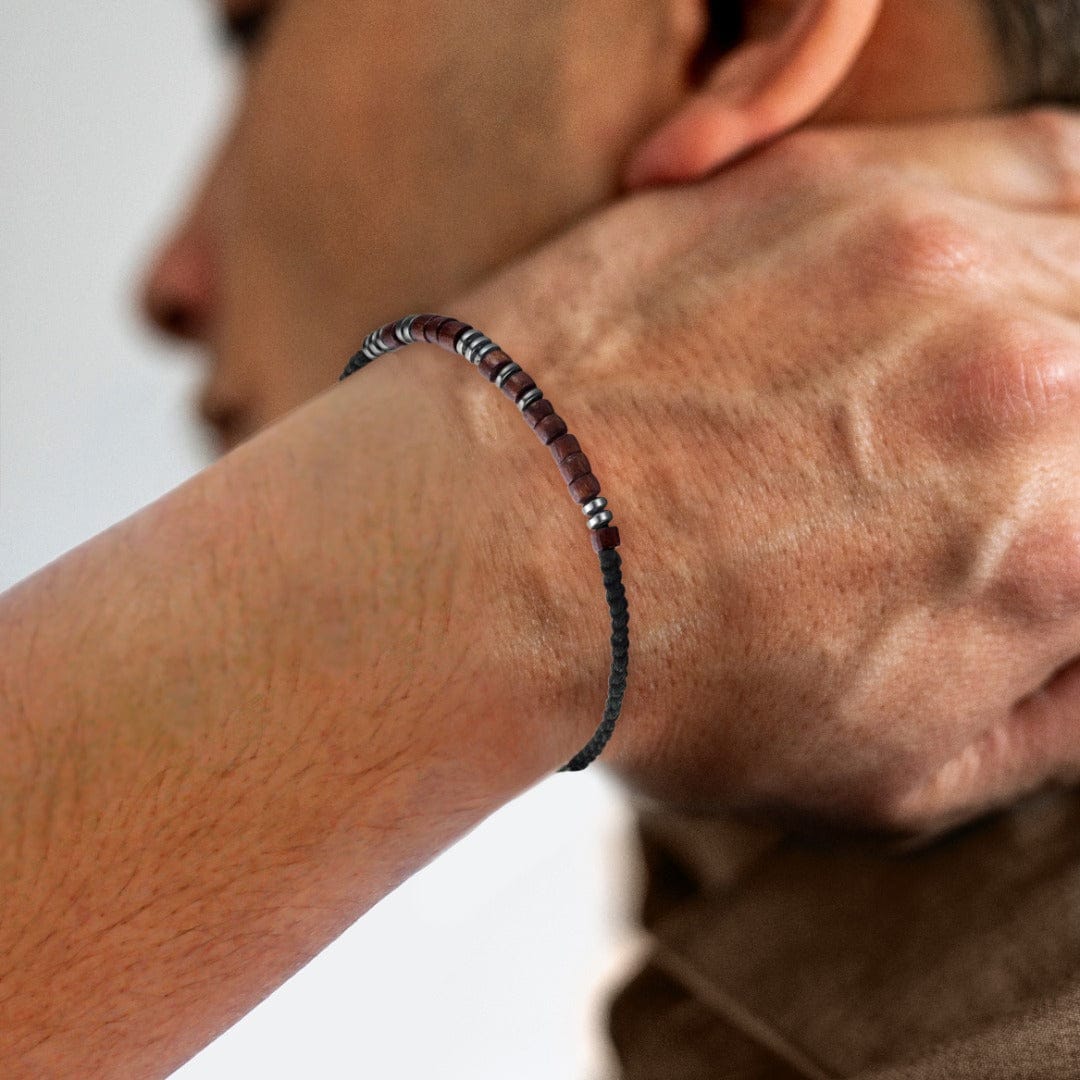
x: 794, y: 55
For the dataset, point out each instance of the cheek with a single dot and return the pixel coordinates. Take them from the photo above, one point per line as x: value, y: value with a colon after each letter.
x: 947, y: 62
x: 374, y: 170
x: 340, y: 158
x: 389, y: 171
x: 310, y: 257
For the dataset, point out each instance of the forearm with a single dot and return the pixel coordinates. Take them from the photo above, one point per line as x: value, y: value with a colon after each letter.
x: 237, y: 719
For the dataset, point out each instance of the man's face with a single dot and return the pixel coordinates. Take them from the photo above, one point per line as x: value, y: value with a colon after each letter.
x: 382, y: 157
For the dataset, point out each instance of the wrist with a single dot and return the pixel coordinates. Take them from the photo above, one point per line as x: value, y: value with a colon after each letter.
x: 523, y: 540
x: 468, y: 538
x: 549, y: 544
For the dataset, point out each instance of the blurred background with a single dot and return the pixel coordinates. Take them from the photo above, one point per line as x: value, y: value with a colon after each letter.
x: 495, y: 960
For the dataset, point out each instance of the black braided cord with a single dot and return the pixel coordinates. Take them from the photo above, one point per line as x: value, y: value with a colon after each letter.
x: 610, y: 569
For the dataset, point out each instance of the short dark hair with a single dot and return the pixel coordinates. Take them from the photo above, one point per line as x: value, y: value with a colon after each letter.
x: 1040, y: 40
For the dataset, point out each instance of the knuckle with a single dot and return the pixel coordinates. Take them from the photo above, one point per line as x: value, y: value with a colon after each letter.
x: 1013, y: 378
x: 882, y: 794
x: 920, y: 245
x: 812, y: 158
x: 1038, y: 577
x: 1051, y: 127
x: 936, y: 797
x: 902, y: 806
x: 1055, y: 133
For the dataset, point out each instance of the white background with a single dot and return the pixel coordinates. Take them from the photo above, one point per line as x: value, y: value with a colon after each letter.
x: 493, y: 962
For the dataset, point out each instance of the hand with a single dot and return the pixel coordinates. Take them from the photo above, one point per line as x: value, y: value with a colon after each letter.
x: 833, y: 397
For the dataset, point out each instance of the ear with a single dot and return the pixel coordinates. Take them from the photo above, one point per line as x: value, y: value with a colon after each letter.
x: 794, y: 54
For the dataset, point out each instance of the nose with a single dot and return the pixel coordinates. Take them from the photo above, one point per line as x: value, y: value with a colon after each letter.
x: 180, y: 296
x: 177, y: 290
x: 176, y: 295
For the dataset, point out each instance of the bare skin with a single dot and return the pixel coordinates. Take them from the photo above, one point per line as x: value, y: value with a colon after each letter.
x: 200, y: 793
x: 302, y: 235
x: 854, y: 570
x: 232, y: 727
x: 208, y: 790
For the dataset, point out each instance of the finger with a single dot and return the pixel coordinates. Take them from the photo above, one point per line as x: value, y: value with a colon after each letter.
x: 1031, y: 664
x: 1025, y: 159
x: 1048, y: 247
x: 1039, y: 739
x: 1043, y: 731
x: 1036, y: 744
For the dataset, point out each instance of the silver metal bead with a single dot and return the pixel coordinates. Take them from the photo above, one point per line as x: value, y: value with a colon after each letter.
x: 466, y: 342
x: 479, y: 348
x: 535, y: 394
x: 462, y: 339
x: 403, y: 330
x: 482, y: 350
x: 594, y: 506
x: 598, y: 520
x: 505, y: 372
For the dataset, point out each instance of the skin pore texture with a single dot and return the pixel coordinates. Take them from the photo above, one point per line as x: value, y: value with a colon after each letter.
x: 238, y: 718
x: 424, y: 174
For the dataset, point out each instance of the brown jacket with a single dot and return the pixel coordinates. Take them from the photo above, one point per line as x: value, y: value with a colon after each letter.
x: 779, y: 957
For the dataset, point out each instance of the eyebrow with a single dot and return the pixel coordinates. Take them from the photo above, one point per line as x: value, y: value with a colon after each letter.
x: 1041, y: 43
x: 237, y: 29
x: 239, y: 26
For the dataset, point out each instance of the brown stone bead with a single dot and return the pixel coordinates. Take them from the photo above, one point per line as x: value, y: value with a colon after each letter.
x: 573, y: 466
x: 489, y: 366
x: 562, y: 447
x: 585, y: 488
x: 388, y: 339
x: 551, y: 427
x: 607, y: 537
x: 418, y: 325
x: 448, y: 331
x: 517, y: 384
x: 537, y: 411
x: 431, y: 329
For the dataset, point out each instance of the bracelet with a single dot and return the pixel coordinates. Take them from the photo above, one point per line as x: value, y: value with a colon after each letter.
x: 458, y: 337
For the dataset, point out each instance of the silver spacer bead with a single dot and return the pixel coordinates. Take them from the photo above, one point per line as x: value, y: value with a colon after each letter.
x: 482, y: 350
x: 505, y: 372
x: 535, y: 394
x: 595, y: 506
x: 479, y: 349
x: 598, y: 520
x: 466, y: 342
x: 403, y: 330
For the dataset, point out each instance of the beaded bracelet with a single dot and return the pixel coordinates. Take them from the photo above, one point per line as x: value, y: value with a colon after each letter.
x: 456, y: 336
